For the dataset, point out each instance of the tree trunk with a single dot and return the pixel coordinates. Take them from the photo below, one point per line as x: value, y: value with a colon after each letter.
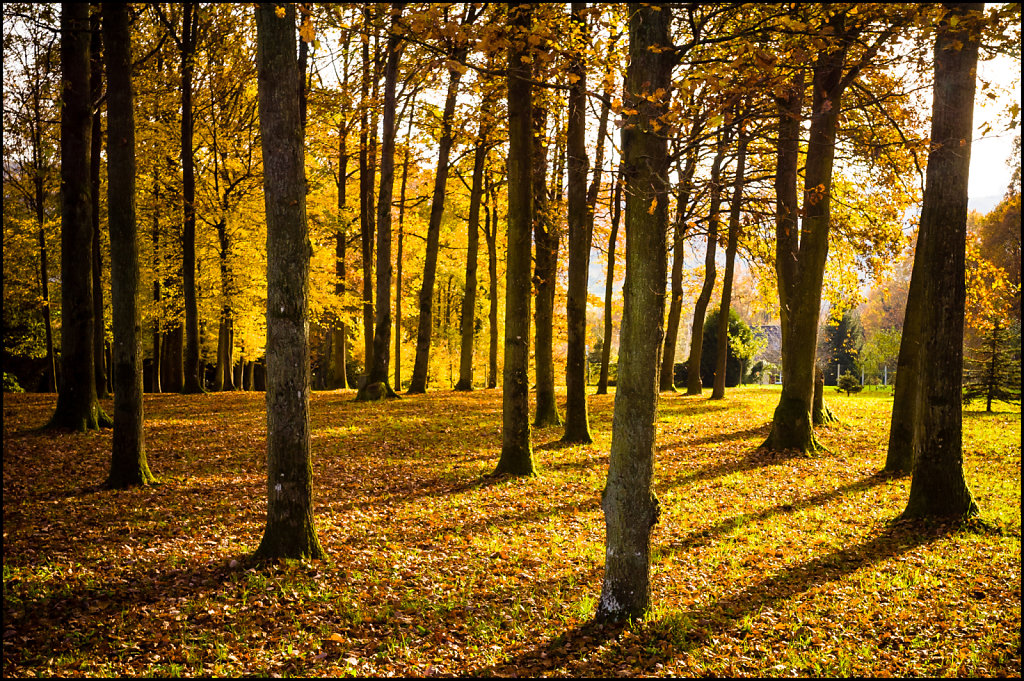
x: 675, y: 307
x: 606, y: 348
x: 516, y: 449
x: 630, y: 506
x: 693, y: 382
x: 491, y: 232
x: 722, y: 349
x: 193, y: 378
x: 337, y: 369
x: 128, y: 466
x: 367, y: 170
x: 801, y: 265
x: 821, y: 414
x: 77, y: 405
x: 581, y: 225
x: 418, y: 382
x: 44, y: 276
x: 938, y: 487
x: 545, y: 236
x: 376, y: 386
x: 290, y: 531
x: 399, y: 256
x: 96, y: 90
x: 468, y: 322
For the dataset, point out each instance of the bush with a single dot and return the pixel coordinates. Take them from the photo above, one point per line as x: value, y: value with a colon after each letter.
x: 11, y: 384
x: 849, y: 383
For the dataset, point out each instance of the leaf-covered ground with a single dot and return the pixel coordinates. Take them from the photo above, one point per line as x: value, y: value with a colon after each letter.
x: 763, y: 564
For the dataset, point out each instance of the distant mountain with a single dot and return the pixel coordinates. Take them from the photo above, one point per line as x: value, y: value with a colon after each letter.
x: 983, y: 204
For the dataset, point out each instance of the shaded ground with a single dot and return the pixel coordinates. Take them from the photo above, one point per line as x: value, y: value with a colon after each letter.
x: 764, y: 564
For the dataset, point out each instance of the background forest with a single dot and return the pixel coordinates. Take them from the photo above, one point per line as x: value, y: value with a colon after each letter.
x: 554, y: 231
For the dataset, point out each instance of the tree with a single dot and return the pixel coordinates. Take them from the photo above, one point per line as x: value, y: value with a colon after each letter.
x: 96, y: 146
x: 289, y: 532
x: 128, y: 465
x: 843, y: 341
x: 458, y: 50
x: 849, y: 383
x: 77, y: 405
x: 376, y: 386
x: 992, y: 370
x: 187, y: 41
x: 630, y: 506
x: 516, y: 449
x: 736, y: 329
x: 606, y: 345
x: 801, y: 253
x: 581, y: 230
x: 938, y: 487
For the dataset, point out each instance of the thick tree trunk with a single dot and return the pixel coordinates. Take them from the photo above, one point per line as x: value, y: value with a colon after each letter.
x: 630, y: 506
x: 128, y: 465
x: 516, y: 449
x: 938, y: 487
x: 722, y: 349
x: 77, y: 405
x: 609, y: 282
x: 376, y: 386
x: 290, y: 532
x: 675, y: 307
x: 96, y: 89
x: 418, y: 382
x: 581, y: 225
x: 545, y: 238
x: 700, y: 309
x: 468, y: 322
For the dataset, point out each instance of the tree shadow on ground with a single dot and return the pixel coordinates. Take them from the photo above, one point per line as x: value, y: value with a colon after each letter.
x: 589, y: 649
x: 755, y: 458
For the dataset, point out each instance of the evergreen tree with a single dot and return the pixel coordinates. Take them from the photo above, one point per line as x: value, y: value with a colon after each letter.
x: 842, y: 344
x: 992, y: 371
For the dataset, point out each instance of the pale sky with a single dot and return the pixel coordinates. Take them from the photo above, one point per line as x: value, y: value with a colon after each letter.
x: 990, y: 154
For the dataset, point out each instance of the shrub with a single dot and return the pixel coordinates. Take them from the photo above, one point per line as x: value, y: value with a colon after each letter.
x: 849, y: 383
x: 11, y: 384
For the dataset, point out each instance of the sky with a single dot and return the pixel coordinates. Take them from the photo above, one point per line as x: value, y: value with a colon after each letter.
x: 990, y: 153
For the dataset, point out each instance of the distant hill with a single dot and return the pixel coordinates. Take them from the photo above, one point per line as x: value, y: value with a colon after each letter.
x: 983, y: 204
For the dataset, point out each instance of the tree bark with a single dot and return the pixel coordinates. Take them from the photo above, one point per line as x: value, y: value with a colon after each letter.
x: 77, y: 405
x: 722, y: 342
x: 96, y: 90
x: 128, y: 465
x: 821, y: 414
x: 581, y: 226
x: 938, y: 487
x: 418, y: 382
x: 468, y: 322
x: 630, y: 506
x: 376, y: 386
x: 693, y: 383
x: 516, y: 450
x: 609, y: 283
x: 290, y: 531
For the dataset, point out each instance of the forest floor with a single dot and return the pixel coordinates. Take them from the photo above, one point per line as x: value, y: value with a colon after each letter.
x: 763, y: 564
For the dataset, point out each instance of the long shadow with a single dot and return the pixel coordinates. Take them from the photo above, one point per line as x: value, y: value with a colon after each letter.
x: 756, y: 458
x: 581, y: 651
x: 705, y: 536
x: 760, y: 431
